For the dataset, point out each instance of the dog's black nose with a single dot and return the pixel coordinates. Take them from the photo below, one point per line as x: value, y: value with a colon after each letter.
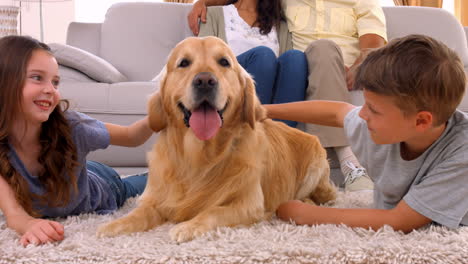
x: 205, y: 81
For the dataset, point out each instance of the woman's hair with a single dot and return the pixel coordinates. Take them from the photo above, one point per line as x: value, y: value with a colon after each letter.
x: 269, y: 14
x: 419, y: 72
x: 58, y: 154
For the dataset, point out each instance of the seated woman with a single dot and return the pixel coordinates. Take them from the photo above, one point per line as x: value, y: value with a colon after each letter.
x: 258, y: 35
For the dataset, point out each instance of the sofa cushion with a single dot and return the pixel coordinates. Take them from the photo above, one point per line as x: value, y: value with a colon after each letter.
x: 68, y: 74
x: 137, y: 37
x: 125, y: 98
x: 88, y: 63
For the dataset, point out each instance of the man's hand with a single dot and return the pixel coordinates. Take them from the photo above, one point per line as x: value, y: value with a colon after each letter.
x: 198, y: 11
x: 41, y: 231
x: 367, y: 43
x: 350, y: 76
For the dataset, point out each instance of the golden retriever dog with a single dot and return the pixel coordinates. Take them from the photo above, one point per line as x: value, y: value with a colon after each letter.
x: 218, y: 161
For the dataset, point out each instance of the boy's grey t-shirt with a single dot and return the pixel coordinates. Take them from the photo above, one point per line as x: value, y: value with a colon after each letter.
x: 94, y: 193
x: 435, y: 184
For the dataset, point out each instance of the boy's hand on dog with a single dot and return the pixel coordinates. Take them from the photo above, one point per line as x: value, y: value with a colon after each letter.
x: 293, y: 210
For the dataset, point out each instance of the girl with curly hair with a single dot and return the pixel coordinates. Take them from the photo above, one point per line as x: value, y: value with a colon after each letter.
x: 43, y: 146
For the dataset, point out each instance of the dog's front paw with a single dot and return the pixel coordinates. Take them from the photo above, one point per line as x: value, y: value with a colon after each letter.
x: 115, y: 228
x: 187, y: 231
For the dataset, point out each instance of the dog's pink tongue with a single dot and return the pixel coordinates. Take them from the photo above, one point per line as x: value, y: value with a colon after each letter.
x: 205, y: 122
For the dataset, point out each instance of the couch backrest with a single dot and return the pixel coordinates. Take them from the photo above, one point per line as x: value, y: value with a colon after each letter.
x: 137, y: 37
x: 86, y: 36
x: 434, y: 22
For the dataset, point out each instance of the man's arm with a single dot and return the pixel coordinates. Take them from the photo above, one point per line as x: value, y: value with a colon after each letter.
x: 130, y: 136
x: 367, y: 43
x: 326, y: 113
x: 402, y: 217
x: 199, y: 11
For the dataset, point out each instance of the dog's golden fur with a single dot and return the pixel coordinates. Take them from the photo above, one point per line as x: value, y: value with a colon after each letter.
x: 241, y: 175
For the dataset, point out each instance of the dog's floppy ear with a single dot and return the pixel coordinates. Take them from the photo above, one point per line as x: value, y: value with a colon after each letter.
x: 156, y: 113
x: 252, y: 109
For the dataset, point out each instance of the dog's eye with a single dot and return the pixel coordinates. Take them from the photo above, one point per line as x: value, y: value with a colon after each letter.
x: 184, y: 63
x: 224, y: 62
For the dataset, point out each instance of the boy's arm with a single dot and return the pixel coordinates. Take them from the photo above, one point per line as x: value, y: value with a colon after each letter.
x: 199, y: 11
x: 326, y: 113
x: 402, y: 217
x: 130, y: 136
x: 36, y: 231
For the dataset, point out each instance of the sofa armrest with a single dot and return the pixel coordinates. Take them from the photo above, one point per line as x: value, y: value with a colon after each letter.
x: 466, y: 33
x: 86, y: 36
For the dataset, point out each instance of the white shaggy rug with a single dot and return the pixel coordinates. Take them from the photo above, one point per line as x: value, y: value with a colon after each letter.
x: 266, y: 242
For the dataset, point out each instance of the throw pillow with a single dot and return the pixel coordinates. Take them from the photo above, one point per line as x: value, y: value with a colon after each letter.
x: 87, y: 63
x: 68, y: 74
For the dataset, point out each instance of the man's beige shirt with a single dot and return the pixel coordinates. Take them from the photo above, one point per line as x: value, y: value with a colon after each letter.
x: 342, y: 21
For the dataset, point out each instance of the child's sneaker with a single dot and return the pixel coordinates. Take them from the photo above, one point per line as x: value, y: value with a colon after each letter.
x: 357, y: 179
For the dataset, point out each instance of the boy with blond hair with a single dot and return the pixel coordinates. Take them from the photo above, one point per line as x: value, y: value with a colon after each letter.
x: 408, y: 134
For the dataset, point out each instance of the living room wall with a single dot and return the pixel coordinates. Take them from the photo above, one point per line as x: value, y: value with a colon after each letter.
x: 56, y: 17
x: 94, y: 11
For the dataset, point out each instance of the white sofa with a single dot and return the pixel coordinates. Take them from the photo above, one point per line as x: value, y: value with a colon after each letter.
x: 137, y: 37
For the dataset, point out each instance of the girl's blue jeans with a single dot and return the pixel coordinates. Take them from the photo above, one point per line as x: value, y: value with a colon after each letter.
x: 278, y: 80
x: 123, y: 188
